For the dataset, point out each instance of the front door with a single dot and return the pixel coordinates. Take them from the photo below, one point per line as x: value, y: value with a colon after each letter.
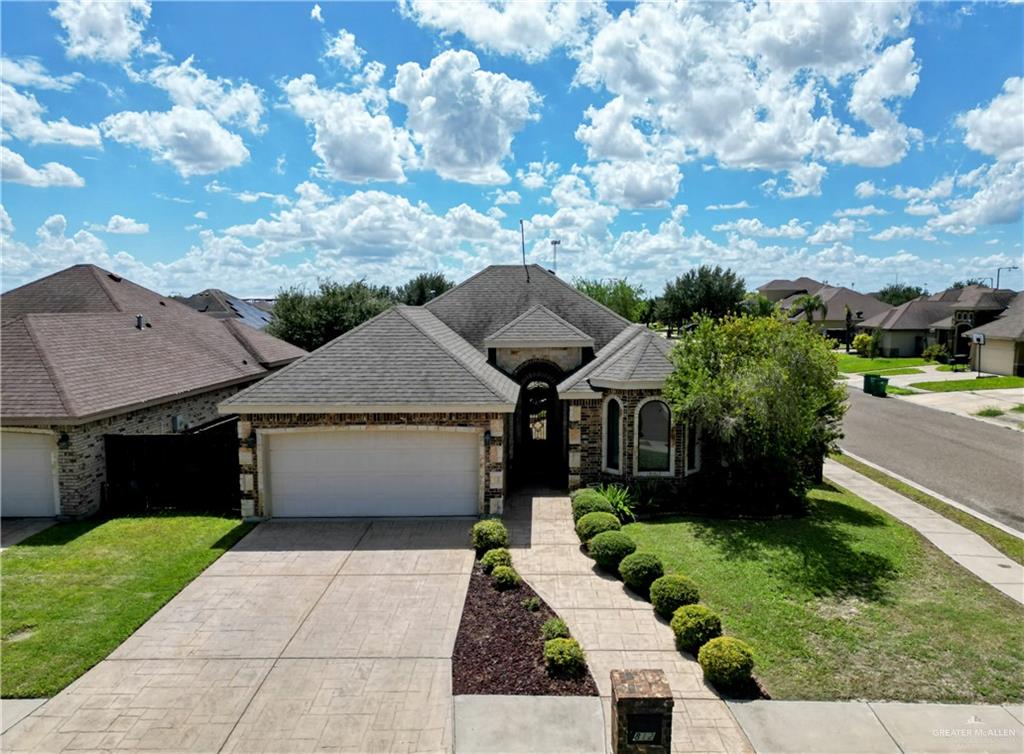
x: 540, y: 458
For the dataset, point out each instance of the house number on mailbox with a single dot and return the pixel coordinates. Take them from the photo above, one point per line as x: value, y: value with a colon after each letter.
x: 644, y: 729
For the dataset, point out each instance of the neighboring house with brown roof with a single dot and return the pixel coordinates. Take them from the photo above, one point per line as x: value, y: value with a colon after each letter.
x: 943, y: 318
x: 1002, y: 349
x: 776, y: 290
x: 86, y: 354
x: 222, y: 305
x: 513, y: 376
x: 837, y: 300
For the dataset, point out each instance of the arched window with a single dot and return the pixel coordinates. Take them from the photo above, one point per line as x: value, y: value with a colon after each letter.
x: 613, y: 435
x: 653, y: 437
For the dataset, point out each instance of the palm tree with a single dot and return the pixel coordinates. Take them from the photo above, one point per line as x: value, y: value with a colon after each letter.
x: 810, y: 304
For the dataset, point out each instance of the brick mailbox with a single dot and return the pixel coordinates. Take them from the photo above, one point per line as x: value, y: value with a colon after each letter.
x: 641, y: 712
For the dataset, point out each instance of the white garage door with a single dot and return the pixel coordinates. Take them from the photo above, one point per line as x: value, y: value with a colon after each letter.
x: 26, y: 474
x: 373, y: 473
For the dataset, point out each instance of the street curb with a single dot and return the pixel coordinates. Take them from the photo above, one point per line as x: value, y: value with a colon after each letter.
x: 920, y: 487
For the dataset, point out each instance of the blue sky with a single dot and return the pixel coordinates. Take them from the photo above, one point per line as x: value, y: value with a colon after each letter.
x: 251, y: 146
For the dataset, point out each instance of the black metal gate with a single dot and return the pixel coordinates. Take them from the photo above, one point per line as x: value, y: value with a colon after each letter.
x: 195, y: 471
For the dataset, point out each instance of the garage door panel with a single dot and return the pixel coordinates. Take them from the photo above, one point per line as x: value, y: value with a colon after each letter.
x: 26, y: 474
x: 373, y: 473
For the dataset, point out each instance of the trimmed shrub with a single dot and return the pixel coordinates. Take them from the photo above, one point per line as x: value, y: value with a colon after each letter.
x: 564, y: 657
x: 505, y: 577
x: 936, y: 352
x: 499, y: 556
x: 669, y: 593
x: 862, y: 343
x: 554, y: 629
x: 609, y: 548
x: 587, y: 501
x: 531, y: 603
x: 727, y: 662
x: 640, y: 570
x: 489, y: 535
x: 594, y: 523
x: 694, y: 625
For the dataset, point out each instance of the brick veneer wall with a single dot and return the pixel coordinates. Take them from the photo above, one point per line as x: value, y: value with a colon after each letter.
x: 82, y: 466
x: 586, y: 443
x: 494, y: 451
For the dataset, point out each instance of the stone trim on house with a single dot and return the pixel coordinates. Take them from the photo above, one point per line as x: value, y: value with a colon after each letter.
x: 492, y: 428
x: 587, y: 439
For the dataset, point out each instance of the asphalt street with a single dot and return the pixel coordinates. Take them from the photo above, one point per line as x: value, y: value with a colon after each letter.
x: 972, y: 462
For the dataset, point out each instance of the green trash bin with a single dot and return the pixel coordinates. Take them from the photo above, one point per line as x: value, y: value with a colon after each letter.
x: 881, y: 383
x: 869, y: 383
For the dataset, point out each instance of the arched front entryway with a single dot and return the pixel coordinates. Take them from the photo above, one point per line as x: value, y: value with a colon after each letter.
x: 539, y: 444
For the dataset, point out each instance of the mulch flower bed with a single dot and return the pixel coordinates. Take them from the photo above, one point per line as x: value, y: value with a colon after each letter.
x: 499, y: 648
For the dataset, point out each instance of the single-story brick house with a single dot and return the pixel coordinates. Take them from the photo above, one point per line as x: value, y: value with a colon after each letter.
x: 513, y: 377
x: 86, y: 354
x: 998, y: 346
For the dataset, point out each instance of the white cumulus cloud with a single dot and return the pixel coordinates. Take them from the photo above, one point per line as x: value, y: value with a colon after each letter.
x: 238, y: 104
x: 107, y: 31
x: 997, y: 129
x: 22, y: 117
x: 120, y: 224
x: 755, y: 228
x: 342, y: 47
x: 29, y: 72
x: 14, y: 169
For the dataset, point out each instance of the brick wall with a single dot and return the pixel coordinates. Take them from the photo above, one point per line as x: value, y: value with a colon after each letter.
x: 83, y: 464
x: 586, y: 441
x: 566, y: 359
x: 494, y: 451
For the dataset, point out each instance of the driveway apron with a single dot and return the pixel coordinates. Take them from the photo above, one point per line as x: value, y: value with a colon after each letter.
x: 325, y: 635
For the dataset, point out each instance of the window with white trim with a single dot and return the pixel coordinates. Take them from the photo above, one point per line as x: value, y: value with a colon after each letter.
x: 613, y: 435
x: 692, y: 447
x: 654, y: 445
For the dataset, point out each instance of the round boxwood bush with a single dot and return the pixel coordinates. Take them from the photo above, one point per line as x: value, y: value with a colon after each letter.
x: 726, y: 662
x: 499, y: 556
x: 640, y: 570
x: 594, y: 523
x: 564, y: 657
x: 589, y: 501
x: 505, y: 577
x: 489, y: 535
x: 609, y: 548
x: 694, y: 625
x: 554, y: 629
x: 672, y: 592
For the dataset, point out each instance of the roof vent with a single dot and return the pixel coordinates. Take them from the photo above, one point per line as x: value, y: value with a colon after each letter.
x: 139, y: 321
x: 115, y: 278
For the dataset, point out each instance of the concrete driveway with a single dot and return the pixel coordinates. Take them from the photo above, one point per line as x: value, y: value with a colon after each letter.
x: 308, y: 635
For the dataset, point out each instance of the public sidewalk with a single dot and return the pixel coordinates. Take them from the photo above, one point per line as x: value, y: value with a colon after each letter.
x: 880, y: 727
x: 962, y: 545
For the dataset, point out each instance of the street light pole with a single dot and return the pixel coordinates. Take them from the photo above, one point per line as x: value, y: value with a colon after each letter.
x: 999, y: 271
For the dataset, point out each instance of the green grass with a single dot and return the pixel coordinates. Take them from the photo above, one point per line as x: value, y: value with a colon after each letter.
x: 1018, y: 409
x: 851, y: 363
x: 848, y: 603
x: 983, y: 383
x: 901, y: 370
x: 1011, y: 546
x: 893, y: 390
x: 990, y: 412
x: 72, y: 593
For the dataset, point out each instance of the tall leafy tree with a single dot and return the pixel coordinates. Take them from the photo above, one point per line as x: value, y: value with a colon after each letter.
x: 711, y: 291
x: 766, y: 396
x: 758, y: 305
x: 895, y: 294
x: 619, y: 295
x: 309, y: 319
x: 423, y: 287
x: 967, y: 282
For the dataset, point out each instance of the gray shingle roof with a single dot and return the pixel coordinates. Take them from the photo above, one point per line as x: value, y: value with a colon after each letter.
x: 918, y: 314
x: 498, y: 294
x: 638, y: 358
x: 538, y: 326
x: 1007, y: 326
x: 781, y: 284
x: 836, y: 299
x: 405, y: 359
x: 222, y: 305
x: 87, y: 358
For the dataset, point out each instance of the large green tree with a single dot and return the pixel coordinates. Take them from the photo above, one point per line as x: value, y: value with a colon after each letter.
x: 711, y: 291
x: 311, y: 318
x: 423, y: 287
x: 895, y: 294
x: 810, y: 304
x: 619, y: 295
x: 767, y: 398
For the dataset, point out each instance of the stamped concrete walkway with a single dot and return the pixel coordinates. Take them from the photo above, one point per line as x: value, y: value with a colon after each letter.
x: 307, y: 636
x: 618, y: 630
x: 962, y: 545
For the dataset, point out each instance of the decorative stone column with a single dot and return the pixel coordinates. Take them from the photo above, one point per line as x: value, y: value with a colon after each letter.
x: 641, y: 712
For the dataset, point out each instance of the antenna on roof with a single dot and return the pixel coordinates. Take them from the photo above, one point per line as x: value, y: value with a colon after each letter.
x: 522, y: 238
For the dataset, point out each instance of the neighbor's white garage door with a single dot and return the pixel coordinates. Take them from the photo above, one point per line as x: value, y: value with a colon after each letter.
x: 373, y: 473
x: 26, y: 474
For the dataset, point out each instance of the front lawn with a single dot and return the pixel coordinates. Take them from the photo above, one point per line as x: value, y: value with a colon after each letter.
x: 848, y: 603
x: 981, y: 383
x: 72, y: 593
x: 851, y: 363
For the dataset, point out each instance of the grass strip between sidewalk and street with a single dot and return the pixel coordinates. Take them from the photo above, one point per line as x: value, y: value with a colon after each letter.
x: 1011, y: 546
x: 981, y: 383
x: 854, y: 364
